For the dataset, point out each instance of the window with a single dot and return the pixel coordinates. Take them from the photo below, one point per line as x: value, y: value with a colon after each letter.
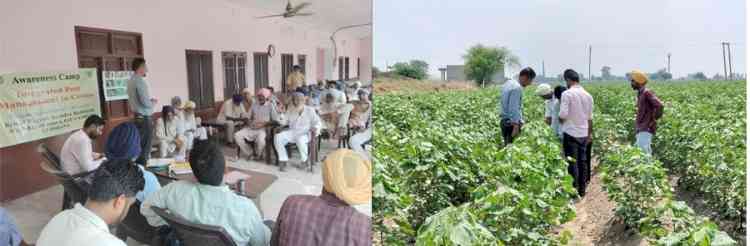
x: 346, y: 68
x: 359, y: 75
x: 200, y: 78
x: 234, y: 72
x: 108, y: 50
x: 260, y: 63
x: 341, y: 68
x: 287, y: 63
x: 301, y: 61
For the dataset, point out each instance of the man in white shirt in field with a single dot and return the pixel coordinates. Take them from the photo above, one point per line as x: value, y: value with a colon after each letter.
x: 115, y: 184
x: 576, y: 114
x: 77, y: 153
x: 551, y: 107
x: 302, y: 121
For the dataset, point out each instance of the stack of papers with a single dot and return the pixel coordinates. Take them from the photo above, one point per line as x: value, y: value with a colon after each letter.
x: 159, y: 162
x: 180, y: 168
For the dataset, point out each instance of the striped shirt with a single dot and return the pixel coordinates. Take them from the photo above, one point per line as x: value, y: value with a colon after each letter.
x: 306, y: 220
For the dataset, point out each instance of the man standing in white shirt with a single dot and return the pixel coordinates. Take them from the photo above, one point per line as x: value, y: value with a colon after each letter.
x: 77, y: 153
x: 115, y: 184
x: 302, y: 121
x: 576, y: 114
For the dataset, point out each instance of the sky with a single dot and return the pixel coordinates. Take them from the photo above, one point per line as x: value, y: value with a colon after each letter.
x: 624, y: 35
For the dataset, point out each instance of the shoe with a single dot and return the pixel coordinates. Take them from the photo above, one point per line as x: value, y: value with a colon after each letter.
x: 282, y: 166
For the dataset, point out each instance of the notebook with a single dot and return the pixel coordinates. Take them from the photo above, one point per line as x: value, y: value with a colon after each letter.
x: 180, y: 168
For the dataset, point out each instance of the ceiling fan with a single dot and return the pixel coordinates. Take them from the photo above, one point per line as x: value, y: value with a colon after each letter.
x: 291, y: 11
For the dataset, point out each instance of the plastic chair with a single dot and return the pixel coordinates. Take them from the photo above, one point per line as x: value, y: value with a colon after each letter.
x: 74, y: 186
x: 194, y: 234
x: 136, y: 227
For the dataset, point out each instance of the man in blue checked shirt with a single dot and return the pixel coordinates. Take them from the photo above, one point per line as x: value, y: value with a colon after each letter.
x: 511, y: 104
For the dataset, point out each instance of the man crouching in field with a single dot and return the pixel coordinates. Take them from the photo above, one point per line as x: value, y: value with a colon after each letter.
x: 511, y: 104
x: 649, y: 111
x: 576, y: 111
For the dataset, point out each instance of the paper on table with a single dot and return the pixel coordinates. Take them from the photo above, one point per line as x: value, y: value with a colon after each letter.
x: 234, y: 176
x: 159, y: 162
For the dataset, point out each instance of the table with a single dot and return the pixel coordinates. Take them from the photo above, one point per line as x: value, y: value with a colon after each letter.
x: 254, y: 186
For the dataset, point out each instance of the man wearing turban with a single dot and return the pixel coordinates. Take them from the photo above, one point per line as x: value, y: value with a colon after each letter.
x: 330, y: 218
x: 169, y: 134
x: 230, y: 115
x: 649, y: 110
x: 302, y: 121
x: 259, y: 120
x: 123, y: 143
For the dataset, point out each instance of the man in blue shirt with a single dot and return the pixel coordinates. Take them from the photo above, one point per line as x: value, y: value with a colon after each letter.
x: 142, y: 104
x: 511, y: 104
x: 9, y: 234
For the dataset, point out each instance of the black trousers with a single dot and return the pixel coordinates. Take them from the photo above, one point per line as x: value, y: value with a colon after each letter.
x: 146, y: 129
x: 580, y: 167
x: 507, y: 130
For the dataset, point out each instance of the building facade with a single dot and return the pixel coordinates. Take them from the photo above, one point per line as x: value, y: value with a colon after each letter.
x: 204, y: 51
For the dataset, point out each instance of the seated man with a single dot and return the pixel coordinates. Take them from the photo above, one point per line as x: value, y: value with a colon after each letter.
x: 123, y: 144
x: 191, y: 125
x: 230, y: 115
x: 330, y: 219
x: 329, y: 113
x: 109, y: 199
x: 209, y: 201
x: 353, y: 90
x: 247, y: 102
x: 361, y: 123
x: 261, y: 114
x: 77, y: 153
x: 171, y: 143
x: 302, y: 121
x: 339, y: 96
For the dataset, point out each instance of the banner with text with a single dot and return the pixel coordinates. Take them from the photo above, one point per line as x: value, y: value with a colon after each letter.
x: 40, y: 105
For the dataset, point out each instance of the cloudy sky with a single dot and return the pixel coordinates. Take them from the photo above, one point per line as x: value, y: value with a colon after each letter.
x: 623, y: 34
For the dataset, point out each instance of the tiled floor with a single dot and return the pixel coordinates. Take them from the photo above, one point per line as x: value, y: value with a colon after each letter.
x: 33, y: 211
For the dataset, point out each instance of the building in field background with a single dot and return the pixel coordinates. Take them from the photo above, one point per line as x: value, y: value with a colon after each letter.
x: 203, y: 51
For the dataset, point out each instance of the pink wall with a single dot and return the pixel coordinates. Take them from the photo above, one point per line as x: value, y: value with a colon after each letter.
x: 39, y: 35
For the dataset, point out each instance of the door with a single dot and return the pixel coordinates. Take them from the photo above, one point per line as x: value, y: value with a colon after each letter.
x: 287, y: 62
x: 260, y: 65
x: 108, y: 50
x: 234, y: 72
x: 200, y: 78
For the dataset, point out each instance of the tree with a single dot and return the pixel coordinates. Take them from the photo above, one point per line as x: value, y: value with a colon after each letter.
x: 662, y: 74
x: 482, y: 62
x: 606, y: 72
x: 697, y: 76
x: 415, y: 69
x: 375, y: 72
